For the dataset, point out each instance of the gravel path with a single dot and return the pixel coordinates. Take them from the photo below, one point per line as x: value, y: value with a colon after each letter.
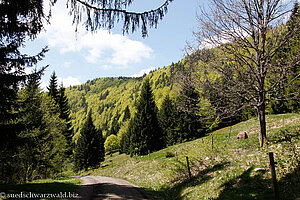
x: 99, y: 187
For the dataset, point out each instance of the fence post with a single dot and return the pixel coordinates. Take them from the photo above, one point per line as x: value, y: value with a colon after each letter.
x: 188, y: 166
x: 149, y: 154
x: 273, y: 172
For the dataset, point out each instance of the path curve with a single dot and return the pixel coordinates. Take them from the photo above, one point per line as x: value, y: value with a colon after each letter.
x: 106, y: 188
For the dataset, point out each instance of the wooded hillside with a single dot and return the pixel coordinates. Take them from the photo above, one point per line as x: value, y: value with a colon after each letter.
x: 108, y: 98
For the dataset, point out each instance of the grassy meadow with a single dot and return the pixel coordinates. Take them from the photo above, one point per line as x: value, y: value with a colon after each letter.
x: 228, y: 169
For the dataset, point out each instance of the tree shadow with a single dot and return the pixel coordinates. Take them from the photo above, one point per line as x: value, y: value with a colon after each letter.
x: 39, y: 188
x: 247, y: 187
x: 175, y: 188
x: 111, y: 191
x: 289, y: 185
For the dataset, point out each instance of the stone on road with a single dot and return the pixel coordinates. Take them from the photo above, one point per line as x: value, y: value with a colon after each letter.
x: 106, y: 188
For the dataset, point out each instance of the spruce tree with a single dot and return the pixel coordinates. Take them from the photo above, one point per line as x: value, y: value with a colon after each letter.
x: 64, y: 114
x: 59, y: 97
x: 144, y: 129
x: 126, y: 114
x: 168, y: 120
x: 53, y: 87
x: 19, y: 20
x: 89, y: 150
x: 43, y: 145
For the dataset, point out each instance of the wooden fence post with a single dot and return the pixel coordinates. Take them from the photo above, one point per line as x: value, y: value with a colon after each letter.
x: 149, y: 154
x: 188, y: 166
x: 273, y: 172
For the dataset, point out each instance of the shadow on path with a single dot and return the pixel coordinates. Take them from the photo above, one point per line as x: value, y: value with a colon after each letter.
x: 105, y: 188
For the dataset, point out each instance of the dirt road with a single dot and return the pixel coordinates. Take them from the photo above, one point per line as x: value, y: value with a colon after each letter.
x: 105, y: 188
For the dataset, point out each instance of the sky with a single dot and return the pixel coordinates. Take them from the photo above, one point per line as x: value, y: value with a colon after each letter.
x: 79, y: 57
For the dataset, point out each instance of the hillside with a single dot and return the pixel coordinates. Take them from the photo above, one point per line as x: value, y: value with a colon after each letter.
x: 108, y: 97
x: 232, y: 169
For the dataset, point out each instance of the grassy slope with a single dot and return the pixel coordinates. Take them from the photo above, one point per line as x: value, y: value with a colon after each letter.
x: 234, y: 170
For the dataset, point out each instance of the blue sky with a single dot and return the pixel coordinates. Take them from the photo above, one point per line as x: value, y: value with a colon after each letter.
x: 86, y: 56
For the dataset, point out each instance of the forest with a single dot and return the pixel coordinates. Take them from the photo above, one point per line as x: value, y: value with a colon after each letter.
x: 47, y: 132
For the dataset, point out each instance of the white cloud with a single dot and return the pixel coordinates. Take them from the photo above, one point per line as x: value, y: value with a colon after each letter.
x: 67, y: 64
x: 69, y: 81
x: 105, y: 67
x: 143, y: 71
x: 99, y: 47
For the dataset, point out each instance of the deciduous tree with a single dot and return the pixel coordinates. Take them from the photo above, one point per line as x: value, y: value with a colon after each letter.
x: 247, y: 34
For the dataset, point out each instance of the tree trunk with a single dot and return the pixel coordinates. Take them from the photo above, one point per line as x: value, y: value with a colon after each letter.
x: 262, y: 124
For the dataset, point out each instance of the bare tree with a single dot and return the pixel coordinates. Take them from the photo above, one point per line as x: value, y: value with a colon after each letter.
x: 245, y: 35
x: 105, y: 13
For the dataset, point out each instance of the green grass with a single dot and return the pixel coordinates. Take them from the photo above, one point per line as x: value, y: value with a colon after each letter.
x: 43, y: 186
x: 232, y: 169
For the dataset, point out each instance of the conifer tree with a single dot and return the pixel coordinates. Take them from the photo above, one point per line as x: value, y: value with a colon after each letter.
x: 53, y: 87
x: 144, y: 129
x: 189, y: 122
x: 126, y: 114
x: 115, y: 126
x: 19, y: 20
x: 43, y: 143
x: 168, y: 119
x: 89, y: 150
x: 65, y: 115
x: 58, y: 95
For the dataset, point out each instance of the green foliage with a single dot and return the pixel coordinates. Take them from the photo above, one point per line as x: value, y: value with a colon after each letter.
x: 288, y: 95
x: 60, y: 99
x: 109, y: 97
x: 126, y: 114
x: 124, y: 138
x: 64, y: 114
x: 111, y: 144
x: 53, y: 87
x: 169, y: 122
x: 89, y: 150
x: 143, y: 129
x: 19, y: 21
x: 42, y: 142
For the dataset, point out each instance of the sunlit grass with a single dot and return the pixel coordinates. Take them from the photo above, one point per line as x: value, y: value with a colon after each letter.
x: 232, y: 169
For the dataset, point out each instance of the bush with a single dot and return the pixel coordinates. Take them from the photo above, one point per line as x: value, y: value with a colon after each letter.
x: 111, y: 144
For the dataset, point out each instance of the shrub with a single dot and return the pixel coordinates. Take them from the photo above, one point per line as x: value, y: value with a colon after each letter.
x: 111, y: 144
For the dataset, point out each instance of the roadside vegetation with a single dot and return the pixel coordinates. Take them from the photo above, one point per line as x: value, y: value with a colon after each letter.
x: 232, y: 169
